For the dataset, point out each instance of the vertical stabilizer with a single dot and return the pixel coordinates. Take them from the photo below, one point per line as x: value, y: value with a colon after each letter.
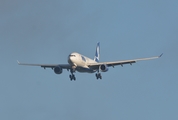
x: 97, y: 54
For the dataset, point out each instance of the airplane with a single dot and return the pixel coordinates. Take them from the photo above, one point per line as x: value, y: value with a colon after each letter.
x: 83, y: 64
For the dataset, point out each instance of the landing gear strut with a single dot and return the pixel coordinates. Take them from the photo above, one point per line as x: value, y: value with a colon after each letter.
x: 98, y: 76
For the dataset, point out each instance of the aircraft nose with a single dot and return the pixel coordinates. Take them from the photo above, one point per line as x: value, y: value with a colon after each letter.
x: 70, y: 59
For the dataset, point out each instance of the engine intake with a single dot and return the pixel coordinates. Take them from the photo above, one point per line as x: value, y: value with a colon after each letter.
x: 103, y: 68
x: 58, y: 70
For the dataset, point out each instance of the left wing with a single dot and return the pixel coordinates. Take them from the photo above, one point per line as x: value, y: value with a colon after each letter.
x: 96, y: 65
x: 64, y: 66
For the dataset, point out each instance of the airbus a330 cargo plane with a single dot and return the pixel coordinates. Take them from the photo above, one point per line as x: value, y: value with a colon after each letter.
x: 81, y: 63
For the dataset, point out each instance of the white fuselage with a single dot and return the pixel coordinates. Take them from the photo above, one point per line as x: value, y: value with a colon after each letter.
x: 80, y: 62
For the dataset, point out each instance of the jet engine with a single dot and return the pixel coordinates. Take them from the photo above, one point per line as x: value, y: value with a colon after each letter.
x: 58, y: 70
x: 103, y: 68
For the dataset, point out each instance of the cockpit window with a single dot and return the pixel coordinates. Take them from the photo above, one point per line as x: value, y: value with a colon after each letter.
x: 72, y: 55
x: 83, y: 58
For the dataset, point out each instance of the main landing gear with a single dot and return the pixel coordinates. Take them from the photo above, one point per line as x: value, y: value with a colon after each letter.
x: 98, y: 76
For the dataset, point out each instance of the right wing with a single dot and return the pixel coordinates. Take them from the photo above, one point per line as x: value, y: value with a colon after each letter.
x: 96, y: 65
x: 64, y: 66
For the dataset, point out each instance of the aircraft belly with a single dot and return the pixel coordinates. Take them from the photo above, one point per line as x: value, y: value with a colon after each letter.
x: 87, y: 70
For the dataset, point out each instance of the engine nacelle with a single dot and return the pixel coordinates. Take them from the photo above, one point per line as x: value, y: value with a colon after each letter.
x: 103, y: 68
x: 58, y: 70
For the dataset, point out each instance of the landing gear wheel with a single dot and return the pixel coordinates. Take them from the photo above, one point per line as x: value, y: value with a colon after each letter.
x: 72, y: 77
x: 98, y: 76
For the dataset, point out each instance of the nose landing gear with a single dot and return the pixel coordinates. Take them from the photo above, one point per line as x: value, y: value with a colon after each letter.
x: 72, y: 76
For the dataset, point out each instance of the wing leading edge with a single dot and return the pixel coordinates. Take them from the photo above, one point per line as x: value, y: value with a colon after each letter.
x: 64, y: 66
x: 96, y: 65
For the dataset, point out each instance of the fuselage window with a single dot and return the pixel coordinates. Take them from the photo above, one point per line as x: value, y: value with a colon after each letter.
x: 83, y: 58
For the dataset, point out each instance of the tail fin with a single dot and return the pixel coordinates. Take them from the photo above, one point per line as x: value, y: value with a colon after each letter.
x: 97, y: 54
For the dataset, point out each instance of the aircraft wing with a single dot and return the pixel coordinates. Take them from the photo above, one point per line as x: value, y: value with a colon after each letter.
x: 122, y: 62
x: 64, y: 66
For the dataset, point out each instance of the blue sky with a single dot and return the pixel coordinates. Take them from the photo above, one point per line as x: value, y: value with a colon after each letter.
x: 47, y: 31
